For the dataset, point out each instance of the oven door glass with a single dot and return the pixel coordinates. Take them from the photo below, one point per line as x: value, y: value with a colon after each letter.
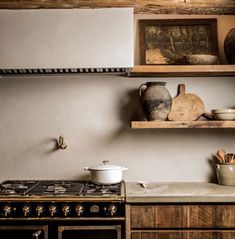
x: 89, y: 232
x: 23, y: 232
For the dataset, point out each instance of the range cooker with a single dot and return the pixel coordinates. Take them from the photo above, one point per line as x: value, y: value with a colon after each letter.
x: 61, y: 209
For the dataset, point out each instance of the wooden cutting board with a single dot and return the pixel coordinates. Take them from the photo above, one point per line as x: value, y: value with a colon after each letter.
x: 186, y: 107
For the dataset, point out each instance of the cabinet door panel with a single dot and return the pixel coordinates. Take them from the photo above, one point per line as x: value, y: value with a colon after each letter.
x: 171, y: 235
x: 143, y: 235
x: 211, y: 235
x: 170, y: 216
x: 142, y: 217
x: 211, y: 216
x: 179, y: 234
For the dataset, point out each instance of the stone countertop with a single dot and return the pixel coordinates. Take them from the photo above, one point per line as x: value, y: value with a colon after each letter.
x: 179, y: 192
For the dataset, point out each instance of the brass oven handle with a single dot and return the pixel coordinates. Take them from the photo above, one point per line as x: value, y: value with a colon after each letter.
x: 37, y: 234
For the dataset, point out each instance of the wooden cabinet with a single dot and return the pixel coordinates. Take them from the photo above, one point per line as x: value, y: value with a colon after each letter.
x: 180, y: 221
x: 184, y: 234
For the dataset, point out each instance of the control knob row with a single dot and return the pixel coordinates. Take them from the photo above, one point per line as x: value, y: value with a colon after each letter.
x: 66, y: 209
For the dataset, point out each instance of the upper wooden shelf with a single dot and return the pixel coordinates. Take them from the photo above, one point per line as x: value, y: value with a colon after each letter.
x: 189, y: 7
x: 182, y: 70
x: 182, y: 124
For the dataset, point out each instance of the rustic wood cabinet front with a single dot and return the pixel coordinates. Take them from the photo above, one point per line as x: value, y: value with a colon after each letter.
x: 181, y: 221
x: 180, y: 234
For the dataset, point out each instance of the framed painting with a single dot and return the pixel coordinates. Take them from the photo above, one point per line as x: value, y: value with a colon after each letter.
x: 166, y: 42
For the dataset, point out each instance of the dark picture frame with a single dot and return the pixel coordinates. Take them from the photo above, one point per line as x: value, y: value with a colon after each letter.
x: 167, y: 41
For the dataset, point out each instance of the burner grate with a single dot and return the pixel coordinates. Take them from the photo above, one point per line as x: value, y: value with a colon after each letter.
x: 92, y: 189
x: 16, y: 187
x: 48, y: 188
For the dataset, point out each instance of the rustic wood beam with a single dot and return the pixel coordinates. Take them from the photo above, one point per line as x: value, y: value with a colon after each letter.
x: 198, y: 7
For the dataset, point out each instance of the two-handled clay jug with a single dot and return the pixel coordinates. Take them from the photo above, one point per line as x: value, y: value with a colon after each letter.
x: 156, y: 100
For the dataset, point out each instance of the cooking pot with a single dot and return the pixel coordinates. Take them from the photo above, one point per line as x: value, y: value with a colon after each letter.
x: 106, y: 173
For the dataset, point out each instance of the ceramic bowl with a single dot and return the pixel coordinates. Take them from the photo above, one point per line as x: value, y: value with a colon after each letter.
x: 224, y: 114
x: 201, y: 59
x: 226, y: 174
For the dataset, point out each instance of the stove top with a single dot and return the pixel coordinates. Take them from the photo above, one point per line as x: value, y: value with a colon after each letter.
x: 57, y: 188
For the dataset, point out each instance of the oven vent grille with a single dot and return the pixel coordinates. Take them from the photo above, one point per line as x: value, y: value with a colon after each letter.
x: 62, y: 70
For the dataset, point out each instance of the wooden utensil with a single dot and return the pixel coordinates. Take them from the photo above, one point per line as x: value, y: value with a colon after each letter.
x: 186, y: 107
x: 221, y: 153
x: 229, y: 158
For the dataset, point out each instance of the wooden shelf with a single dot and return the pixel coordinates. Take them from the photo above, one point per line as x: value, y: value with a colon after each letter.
x: 182, y: 70
x: 182, y: 124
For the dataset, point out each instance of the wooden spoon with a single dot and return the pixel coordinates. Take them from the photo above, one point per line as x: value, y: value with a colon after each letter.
x: 221, y: 153
x: 219, y: 159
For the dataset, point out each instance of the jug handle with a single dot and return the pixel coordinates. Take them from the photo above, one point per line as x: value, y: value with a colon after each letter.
x: 141, y: 88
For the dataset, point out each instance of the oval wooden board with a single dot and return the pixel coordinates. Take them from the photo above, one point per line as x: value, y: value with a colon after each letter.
x: 186, y: 107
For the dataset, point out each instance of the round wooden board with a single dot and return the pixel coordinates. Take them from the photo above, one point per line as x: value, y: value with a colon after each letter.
x: 186, y: 107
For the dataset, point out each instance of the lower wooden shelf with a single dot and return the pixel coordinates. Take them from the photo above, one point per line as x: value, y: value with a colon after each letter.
x: 182, y: 70
x: 182, y: 124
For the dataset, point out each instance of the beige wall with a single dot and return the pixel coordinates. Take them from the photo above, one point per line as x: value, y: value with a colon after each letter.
x: 93, y: 113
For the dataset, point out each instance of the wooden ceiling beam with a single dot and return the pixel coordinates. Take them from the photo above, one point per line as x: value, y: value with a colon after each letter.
x: 198, y: 7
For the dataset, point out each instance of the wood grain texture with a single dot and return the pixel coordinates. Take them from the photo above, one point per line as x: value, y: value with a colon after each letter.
x: 216, y: 216
x: 154, y: 216
x: 186, y: 106
x: 142, y: 216
x: 128, y: 221
x: 201, y: 7
x: 182, y: 124
x: 170, y: 216
x: 182, y: 70
x: 186, y: 234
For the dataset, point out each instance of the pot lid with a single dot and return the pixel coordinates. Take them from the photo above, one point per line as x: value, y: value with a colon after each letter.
x: 105, y: 166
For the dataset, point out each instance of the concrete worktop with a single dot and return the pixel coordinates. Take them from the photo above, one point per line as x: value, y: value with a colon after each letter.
x: 178, y: 192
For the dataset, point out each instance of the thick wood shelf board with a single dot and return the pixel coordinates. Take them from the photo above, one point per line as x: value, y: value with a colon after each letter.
x: 182, y: 124
x: 183, y: 70
x: 198, y: 7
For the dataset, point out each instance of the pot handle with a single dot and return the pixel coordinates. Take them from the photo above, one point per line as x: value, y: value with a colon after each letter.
x: 124, y: 168
x: 86, y: 168
x: 141, y: 88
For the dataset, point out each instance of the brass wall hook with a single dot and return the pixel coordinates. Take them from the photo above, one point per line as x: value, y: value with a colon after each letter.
x: 60, y: 143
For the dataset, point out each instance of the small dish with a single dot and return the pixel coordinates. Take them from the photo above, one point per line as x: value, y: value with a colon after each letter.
x: 224, y: 114
x: 201, y: 59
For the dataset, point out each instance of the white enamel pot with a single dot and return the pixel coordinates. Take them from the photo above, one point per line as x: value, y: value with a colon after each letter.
x: 106, y: 173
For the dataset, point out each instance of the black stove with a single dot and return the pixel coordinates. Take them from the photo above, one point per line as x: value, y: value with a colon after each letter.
x: 59, y: 198
x: 61, y: 209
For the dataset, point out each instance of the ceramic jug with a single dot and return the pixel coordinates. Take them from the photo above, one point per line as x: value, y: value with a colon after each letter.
x: 229, y: 46
x: 155, y: 100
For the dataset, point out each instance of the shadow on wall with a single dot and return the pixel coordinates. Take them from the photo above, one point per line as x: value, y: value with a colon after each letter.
x: 212, y: 176
x: 130, y: 108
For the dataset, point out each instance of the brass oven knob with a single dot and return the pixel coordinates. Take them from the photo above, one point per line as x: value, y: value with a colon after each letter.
x: 53, y: 209
x: 39, y: 210
x: 7, y: 210
x: 79, y: 209
x: 112, y: 210
x: 66, y: 209
x: 26, y: 210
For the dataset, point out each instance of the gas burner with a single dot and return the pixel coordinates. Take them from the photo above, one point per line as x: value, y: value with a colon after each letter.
x: 55, y: 189
x: 92, y: 189
x: 16, y: 187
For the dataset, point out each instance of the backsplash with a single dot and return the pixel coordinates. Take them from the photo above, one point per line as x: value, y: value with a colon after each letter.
x: 93, y: 112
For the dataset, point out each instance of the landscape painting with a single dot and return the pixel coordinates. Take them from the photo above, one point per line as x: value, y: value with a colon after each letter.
x: 168, y: 41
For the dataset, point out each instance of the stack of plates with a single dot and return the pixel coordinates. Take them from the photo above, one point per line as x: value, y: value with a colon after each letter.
x: 224, y: 114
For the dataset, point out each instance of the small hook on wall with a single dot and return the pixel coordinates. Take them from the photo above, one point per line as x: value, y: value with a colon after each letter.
x: 60, y: 143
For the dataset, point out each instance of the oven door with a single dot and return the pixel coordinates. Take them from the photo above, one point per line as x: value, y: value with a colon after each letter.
x: 89, y: 232
x: 24, y: 232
